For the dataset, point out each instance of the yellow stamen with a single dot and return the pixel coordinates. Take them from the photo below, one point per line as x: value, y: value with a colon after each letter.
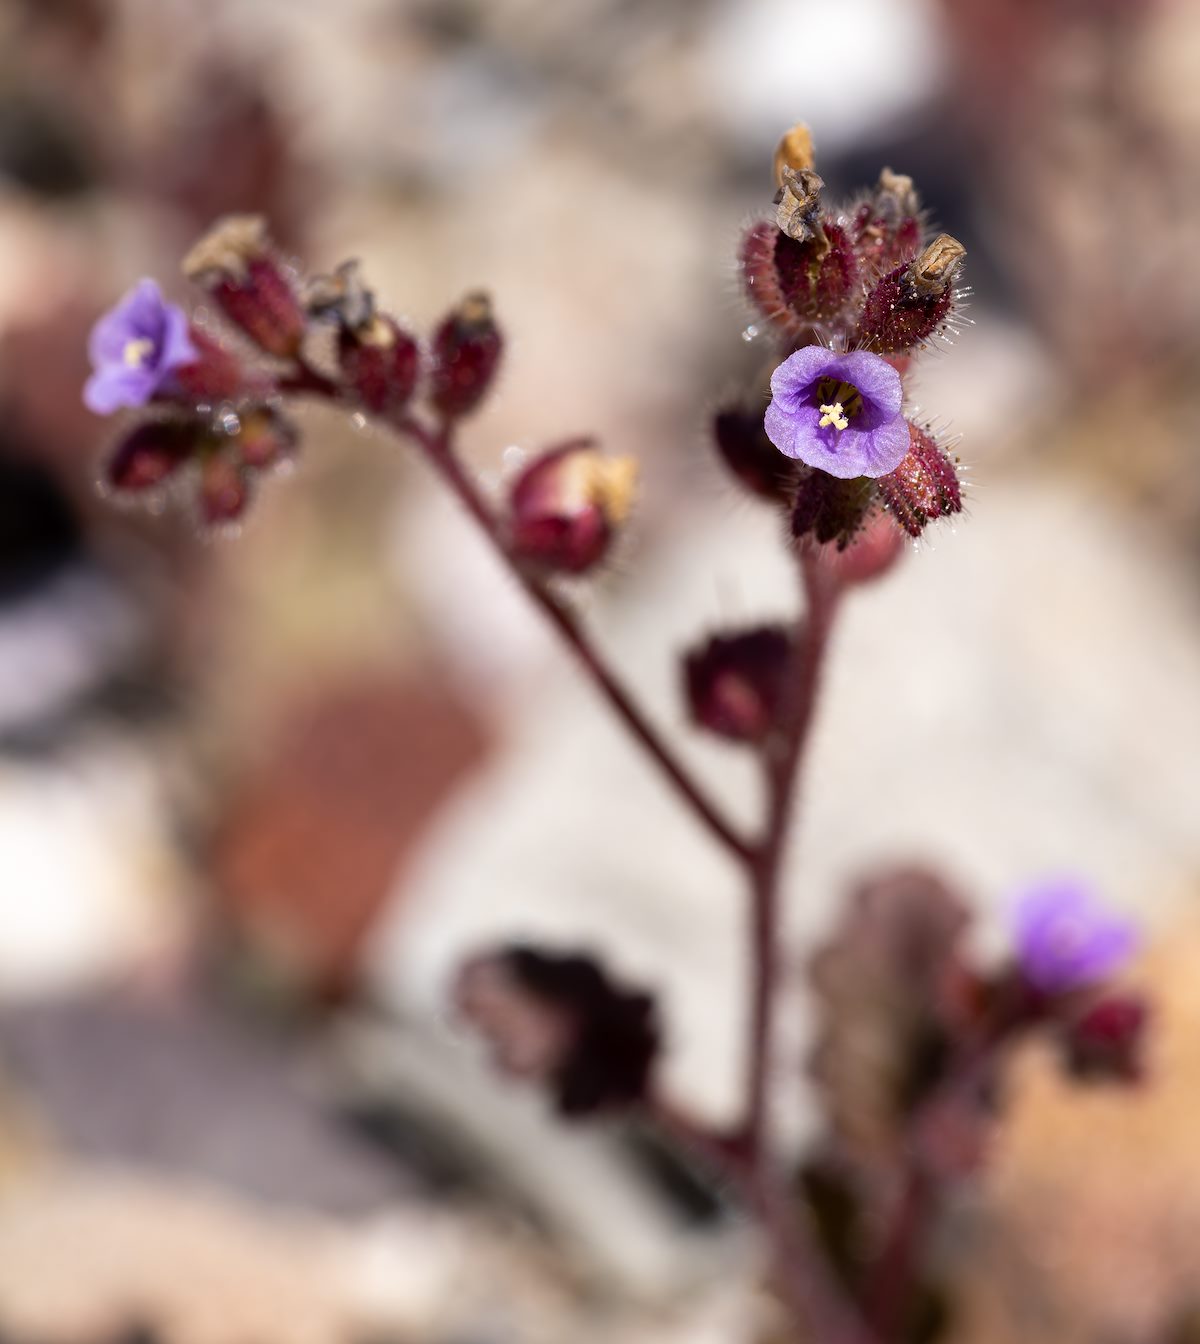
x: 137, y: 351
x: 832, y: 414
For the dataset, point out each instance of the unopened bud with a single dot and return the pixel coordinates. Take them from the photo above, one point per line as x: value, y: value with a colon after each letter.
x: 216, y: 375
x: 566, y: 507
x: 1107, y: 1041
x: 911, y: 303
x: 264, y: 438
x: 466, y: 352
x: 236, y: 262
x: 923, y: 487
x: 795, y: 284
x: 886, y: 227
x: 380, y: 363
x: 829, y: 510
x: 224, y: 489
x: 151, y: 452
x: 742, y: 442
x: 734, y: 682
x: 794, y: 151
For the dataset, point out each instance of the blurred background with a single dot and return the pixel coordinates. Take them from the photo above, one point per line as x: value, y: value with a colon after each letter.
x: 259, y: 796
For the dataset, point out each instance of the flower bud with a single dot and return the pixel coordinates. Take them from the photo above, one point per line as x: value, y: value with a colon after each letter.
x: 263, y: 438
x: 829, y: 509
x: 466, y: 352
x: 923, y: 487
x: 151, y: 452
x: 733, y: 682
x: 911, y: 303
x: 566, y: 506
x: 224, y: 489
x: 215, y: 375
x: 380, y: 362
x: 795, y: 284
x: 236, y: 263
x: 886, y: 227
x: 559, y: 1019
x: 1107, y: 1041
x: 745, y: 449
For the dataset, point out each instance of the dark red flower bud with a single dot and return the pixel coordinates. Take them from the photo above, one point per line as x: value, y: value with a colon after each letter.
x: 380, y: 362
x: 559, y: 1019
x: 1107, y: 1041
x: 566, y: 507
x: 236, y: 262
x: 216, y: 376
x: 886, y: 228
x: 830, y: 510
x: 263, y: 437
x: 466, y: 352
x: 151, y: 452
x: 733, y: 682
x: 923, y: 487
x: 795, y: 284
x: 224, y: 489
x: 743, y: 444
x: 912, y: 302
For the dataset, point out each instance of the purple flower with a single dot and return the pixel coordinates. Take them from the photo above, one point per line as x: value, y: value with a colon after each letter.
x: 135, y: 349
x: 1065, y: 938
x: 838, y: 412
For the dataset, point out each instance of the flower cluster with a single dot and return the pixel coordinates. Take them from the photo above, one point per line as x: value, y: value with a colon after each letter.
x: 848, y: 296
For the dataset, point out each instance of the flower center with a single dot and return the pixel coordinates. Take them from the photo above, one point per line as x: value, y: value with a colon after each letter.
x: 137, y: 351
x: 838, y: 403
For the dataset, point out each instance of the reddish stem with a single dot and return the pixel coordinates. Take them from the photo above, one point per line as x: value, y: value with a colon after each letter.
x: 439, y: 450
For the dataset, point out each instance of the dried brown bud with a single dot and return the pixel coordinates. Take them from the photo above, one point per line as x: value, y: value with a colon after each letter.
x: 236, y: 262
x: 794, y: 151
x: 566, y: 507
x: 342, y: 296
x: 933, y: 272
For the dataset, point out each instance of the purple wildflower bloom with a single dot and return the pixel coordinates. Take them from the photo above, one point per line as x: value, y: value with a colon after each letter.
x: 1065, y: 938
x: 838, y: 412
x: 135, y: 349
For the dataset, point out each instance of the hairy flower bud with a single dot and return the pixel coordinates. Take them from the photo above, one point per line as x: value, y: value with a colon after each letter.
x: 215, y: 375
x: 886, y: 227
x: 263, y: 438
x: 466, y: 352
x: 742, y: 442
x: 380, y: 362
x: 923, y: 487
x: 224, y: 490
x: 831, y: 510
x: 559, y: 1019
x: 796, y: 284
x: 566, y: 506
x: 911, y: 303
x: 150, y: 452
x: 733, y: 682
x: 1107, y: 1041
x: 236, y: 262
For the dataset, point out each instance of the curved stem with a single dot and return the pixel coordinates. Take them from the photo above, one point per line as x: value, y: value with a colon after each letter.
x: 439, y: 450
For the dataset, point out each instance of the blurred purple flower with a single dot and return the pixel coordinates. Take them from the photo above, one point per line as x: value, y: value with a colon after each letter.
x: 1065, y: 938
x: 135, y: 349
x: 838, y: 412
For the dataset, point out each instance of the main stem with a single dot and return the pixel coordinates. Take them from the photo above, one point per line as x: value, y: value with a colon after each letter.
x: 782, y: 768
x: 439, y: 449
